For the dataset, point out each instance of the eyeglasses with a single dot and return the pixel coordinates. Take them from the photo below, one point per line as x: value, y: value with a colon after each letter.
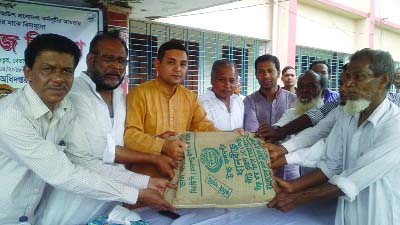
x: 112, y: 59
x: 50, y: 70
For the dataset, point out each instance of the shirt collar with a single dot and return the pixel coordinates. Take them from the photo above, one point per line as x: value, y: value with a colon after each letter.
x: 164, y: 90
x: 209, y: 92
x: 277, y: 93
x: 87, y: 80
x: 379, y: 112
x: 38, y: 108
x: 92, y: 86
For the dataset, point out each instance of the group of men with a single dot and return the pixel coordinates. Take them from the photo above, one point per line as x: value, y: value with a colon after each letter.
x: 63, y: 141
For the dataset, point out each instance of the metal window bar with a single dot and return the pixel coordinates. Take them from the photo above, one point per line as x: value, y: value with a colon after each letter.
x: 204, y: 48
x: 305, y: 56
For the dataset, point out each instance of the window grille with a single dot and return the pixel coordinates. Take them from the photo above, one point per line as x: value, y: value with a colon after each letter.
x: 204, y: 47
x: 305, y: 56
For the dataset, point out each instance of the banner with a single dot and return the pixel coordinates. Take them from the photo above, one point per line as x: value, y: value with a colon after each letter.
x: 21, y: 21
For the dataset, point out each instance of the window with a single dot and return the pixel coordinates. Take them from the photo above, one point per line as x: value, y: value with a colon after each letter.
x: 305, y: 56
x: 203, y: 47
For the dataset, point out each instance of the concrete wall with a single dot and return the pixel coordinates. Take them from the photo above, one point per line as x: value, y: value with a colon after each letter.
x: 387, y: 40
x: 318, y: 28
x: 334, y: 25
x: 362, y: 5
x: 388, y: 10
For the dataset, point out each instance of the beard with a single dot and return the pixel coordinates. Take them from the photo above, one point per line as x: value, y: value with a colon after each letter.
x: 99, y: 78
x: 352, y: 107
x: 102, y: 86
x: 300, y: 108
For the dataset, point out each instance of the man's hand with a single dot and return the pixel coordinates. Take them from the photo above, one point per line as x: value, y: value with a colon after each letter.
x: 239, y: 131
x: 160, y: 184
x: 285, y: 186
x: 275, y: 151
x: 167, y: 134
x: 285, y: 202
x: 174, y: 149
x: 269, y: 134
x: 165, y: 165
x: 278, y: 162
x: 154, y: 200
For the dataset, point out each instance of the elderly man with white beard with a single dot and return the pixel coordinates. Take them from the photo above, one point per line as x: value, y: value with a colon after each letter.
x: 310, y: 86
x: 309, y: 95
x: 362, y: 160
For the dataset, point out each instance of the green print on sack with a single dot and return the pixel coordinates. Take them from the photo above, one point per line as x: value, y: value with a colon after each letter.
x: 211, y: 159
x: 222, y: 169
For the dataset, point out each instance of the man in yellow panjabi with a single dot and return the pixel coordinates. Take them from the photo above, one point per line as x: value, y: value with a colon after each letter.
x: 162, y: 105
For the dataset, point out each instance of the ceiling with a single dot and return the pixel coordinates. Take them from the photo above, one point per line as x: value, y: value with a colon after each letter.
x: 153, y: 9
x: 148, y: 9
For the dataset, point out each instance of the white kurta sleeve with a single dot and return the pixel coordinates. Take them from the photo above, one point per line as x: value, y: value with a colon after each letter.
x: 311, y: 135
x: 78, y: 153
x: 51, y: 164
x: 307, y: 157
x: 379, y: 159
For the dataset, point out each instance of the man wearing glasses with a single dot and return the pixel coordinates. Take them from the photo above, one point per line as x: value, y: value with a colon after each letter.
x: 100, y: 104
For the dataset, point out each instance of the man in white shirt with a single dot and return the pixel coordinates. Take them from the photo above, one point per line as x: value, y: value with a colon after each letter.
x: 362, y: 160
x: 224, y: 108
x: 307, y: 147
x: 100, y: 105
x: 37, y: 123
x: 310, y: 87
x: 309, y: 95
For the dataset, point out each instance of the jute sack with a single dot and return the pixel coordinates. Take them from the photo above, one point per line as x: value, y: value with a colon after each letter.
x: 224, y: 170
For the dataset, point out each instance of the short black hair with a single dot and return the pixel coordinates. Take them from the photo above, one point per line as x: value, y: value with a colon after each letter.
x: 51, y: 42
x: 170, y: 45
x: 381, y: 62
x: 106, y: 35
x: 268, y: 57
x: 287, y: 68
x: 219, y: 63
x: 319, y: 62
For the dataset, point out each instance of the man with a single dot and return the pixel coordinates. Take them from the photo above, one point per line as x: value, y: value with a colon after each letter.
x: 309, y: 95
x: 396, y: 81
x: 5, y: 90
x: 306, y: 148
x: 362, y: 157
x: 309, y: 119
x: 267, y: 105
x: 322, y: 68
x: 239, y: 88
x: 163, y: 105
x: 289, y: 79
x: 224, y: 108
x: 100, y: 104
x: 37, y: 124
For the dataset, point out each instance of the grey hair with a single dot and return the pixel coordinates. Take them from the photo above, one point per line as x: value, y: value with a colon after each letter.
x: 320, y: 79
x: 219, y: 63
x: 381, y: 62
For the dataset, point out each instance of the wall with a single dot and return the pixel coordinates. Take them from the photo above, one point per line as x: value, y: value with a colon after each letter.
x: 363, y: 5
x: 388, y: 10
x: 387, y: 40
x: 321, y: 29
